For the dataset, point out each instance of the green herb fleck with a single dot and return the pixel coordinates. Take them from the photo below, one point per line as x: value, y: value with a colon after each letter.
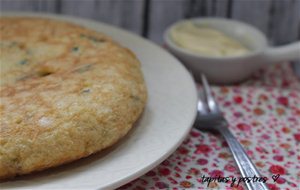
x: 13, y: 44
x: 23, y: 62
x: 75, y: 49
x: 86, y: 91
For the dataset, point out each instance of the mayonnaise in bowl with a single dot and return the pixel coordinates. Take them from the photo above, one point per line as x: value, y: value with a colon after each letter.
x: 206, y: 41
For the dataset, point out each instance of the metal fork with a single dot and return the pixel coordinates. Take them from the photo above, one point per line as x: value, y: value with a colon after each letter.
x: 209, y: 117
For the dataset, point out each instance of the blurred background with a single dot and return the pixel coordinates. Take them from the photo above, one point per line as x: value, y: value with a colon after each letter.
x: 278, y: 19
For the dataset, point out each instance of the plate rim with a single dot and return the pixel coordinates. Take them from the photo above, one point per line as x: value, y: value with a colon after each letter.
x: 87, y: 21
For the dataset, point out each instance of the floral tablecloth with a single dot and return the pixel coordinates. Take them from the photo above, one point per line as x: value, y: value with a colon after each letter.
x: 264, y: 115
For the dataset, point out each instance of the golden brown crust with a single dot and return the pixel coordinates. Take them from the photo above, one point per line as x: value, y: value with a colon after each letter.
x: 66, y: 92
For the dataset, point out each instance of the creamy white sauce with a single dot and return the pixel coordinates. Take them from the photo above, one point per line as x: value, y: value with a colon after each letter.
x: 206, y: 41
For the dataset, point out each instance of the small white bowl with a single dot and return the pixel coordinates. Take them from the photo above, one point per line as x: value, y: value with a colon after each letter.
x: 233, y: 69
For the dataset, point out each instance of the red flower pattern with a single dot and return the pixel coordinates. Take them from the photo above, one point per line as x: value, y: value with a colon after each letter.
x: 161, y: 185
x: 216, y: 173
x: 277, y: 169
x: 164, y: 171
x: 264, y: 119
x: 203, y: 148
x: 243, y: 127
x: 238, y: 99
x: 297, y: 137
x: 278, y: 158
x: 283, y: 101
x: 273, y: 187
x: 280, y: 180
x: 230, y: 168
x: 202, y: 161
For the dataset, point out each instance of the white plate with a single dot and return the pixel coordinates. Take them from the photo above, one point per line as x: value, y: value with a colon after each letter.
x: 167, y: 119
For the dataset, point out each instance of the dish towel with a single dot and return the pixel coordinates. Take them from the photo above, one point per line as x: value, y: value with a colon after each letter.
x: 264, y: 115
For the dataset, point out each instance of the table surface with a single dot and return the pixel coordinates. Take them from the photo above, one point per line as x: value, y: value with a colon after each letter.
x: 264, y: 115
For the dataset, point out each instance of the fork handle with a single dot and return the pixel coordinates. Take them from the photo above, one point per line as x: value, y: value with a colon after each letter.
x: 247, y: 168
